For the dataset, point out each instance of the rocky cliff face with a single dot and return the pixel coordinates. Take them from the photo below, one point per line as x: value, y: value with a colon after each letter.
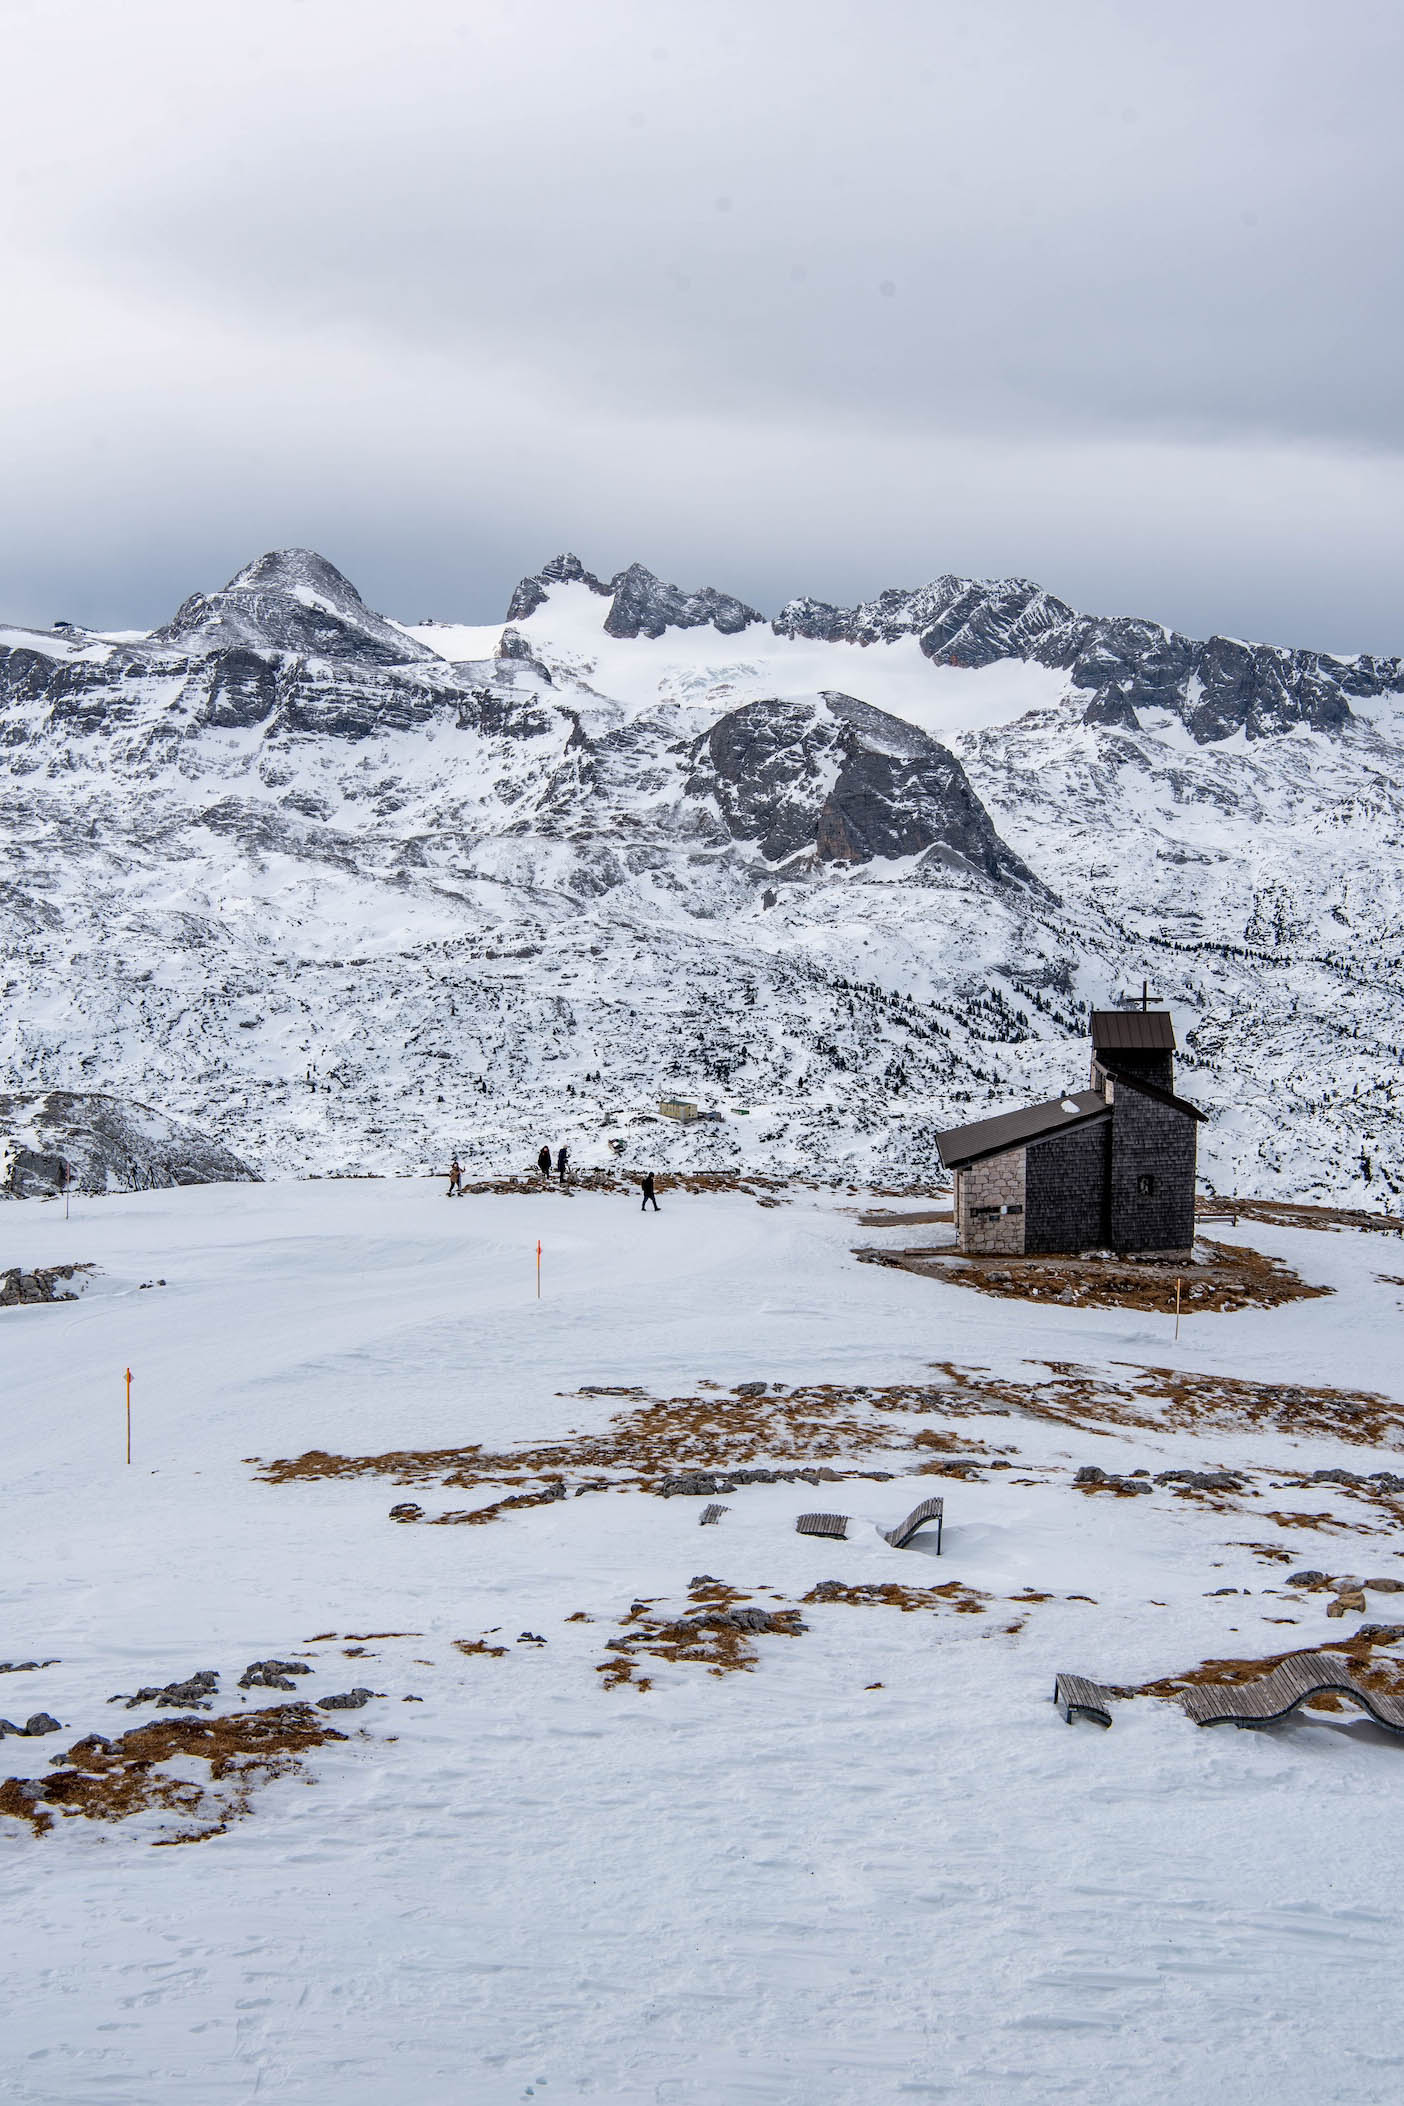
x: 344, y: 899
x: 835, y: 778
x: 52, y: 1140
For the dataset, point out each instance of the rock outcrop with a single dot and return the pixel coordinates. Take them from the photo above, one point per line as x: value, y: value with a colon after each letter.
x: 56, y: 1139
x: 832, y: 775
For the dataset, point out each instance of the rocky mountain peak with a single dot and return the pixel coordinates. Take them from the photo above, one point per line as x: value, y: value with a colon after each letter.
x: 644, y: 606
x: 289, y: 600
x: 533, y: 592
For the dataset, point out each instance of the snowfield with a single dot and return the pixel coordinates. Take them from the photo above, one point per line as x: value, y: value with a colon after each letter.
x: 876, y: 1866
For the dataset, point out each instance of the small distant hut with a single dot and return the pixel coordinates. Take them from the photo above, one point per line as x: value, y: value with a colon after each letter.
x: 1111, y: 1167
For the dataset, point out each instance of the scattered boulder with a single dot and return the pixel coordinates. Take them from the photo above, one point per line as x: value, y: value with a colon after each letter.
x: 194, y: 1694
x: 1093, y: 1479
x: 39, y: 1723
x: 530, y: 1638
x: 1386, y: 1481
x: 1202, y: 1480
x: 1385, y: 1586
x: 272, y: 1674
x: 1309, y: 1578
x: 750, y: 1619
x: 352, y: 1700
x: 25, y: 1667
x: 751, y: 1389
x: 47, y: 1283
x: 1381, y: 1633
x: 1335, y: 1477
x: 406, y: 1511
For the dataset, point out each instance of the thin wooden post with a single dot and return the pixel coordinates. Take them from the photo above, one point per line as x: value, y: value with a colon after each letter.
x: 1177, y: 1308
x: 129, y: 1415
x: 538, y: 1269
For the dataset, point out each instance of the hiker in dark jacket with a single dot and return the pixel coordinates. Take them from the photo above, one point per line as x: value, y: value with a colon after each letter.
x: 562, y: 1159
x: 649, y: 1195
x: 543, y: 1161
x: 455, y: 1190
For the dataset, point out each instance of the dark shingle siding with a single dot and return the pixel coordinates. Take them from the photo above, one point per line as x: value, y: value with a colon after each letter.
x: 1151, y: 1139
x: 1065, y: 1183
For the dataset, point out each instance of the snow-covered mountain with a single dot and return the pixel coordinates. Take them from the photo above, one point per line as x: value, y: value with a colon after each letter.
x: 350, y: 892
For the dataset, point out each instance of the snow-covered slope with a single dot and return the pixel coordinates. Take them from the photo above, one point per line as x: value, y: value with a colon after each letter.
x: 874, y: 1867
x: 350, y: 893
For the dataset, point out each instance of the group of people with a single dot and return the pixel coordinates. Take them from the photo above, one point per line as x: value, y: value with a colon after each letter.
x: 543, y: 1164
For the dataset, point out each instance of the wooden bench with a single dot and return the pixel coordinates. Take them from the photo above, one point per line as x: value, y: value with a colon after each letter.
x: 709, y: 1514
x: 823, y: 1525
x: 929, y: 1510
x: 1076, y: 1697
x: 1296, y: 1681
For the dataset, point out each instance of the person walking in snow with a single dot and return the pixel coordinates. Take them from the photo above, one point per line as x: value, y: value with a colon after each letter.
x: 543, y: 1161
x: 650, y: 1197
x: 562, y: 1159
x: 455, y: 1190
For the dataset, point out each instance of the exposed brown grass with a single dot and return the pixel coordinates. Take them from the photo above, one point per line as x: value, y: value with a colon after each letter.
x: 1384, y: 1674
x: 1268, y: 1553
x: 1327, y: 1524
x: 479, y: 1645
x: 707, y: 1636
x: 876, y: 1218
x: 889, y: 1594
x: 1234, y: 1276
x: 715, y: 1430
x: 1296, y: 1214
x: 1163, y: 1398
x: 106, y: 1780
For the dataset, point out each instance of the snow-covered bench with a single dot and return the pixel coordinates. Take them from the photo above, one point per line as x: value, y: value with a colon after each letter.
x: 1294, y: 1682
x: 823, y: 1525
x: 929, y: 1510
x: 1076, y: 1697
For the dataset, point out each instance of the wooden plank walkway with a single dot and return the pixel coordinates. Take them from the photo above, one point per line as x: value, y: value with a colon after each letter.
x: 929, y: 1510
x: 823, y: 1525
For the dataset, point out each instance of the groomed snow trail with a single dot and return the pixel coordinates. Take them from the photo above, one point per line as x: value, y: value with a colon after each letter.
x: 778, y: 1886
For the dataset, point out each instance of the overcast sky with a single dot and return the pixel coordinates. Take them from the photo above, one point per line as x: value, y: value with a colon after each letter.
x: 783, y: 296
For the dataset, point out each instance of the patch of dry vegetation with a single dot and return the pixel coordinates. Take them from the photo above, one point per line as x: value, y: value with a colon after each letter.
x: 1231, y: 1276
x: 718, y: 1633
x: 662, y: 1438
x: 1292, y: 1214
x: 1377, y: 1673
x: 479, y: 1645
x: 1163, y: 1398
x: 889, y: 1594
x: 110, y: 1780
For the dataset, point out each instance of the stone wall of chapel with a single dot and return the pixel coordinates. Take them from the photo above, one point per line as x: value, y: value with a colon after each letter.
x: 990, y: 1205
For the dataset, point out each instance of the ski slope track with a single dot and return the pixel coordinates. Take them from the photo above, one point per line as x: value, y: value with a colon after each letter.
x: 347, y: 893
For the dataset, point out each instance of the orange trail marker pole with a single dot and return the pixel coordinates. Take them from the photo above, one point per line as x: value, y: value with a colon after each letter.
x: 538, y: 1271
x: 129, y: 1414
x: 1177, y: 1308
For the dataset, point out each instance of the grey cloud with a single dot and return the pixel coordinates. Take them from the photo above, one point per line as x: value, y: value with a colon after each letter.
x: 462, y: 288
